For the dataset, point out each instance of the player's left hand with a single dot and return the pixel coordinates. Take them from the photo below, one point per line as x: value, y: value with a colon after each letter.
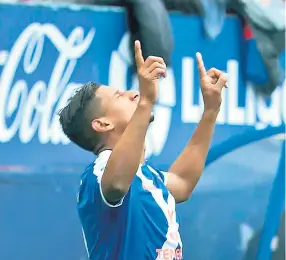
x: 212, y: 82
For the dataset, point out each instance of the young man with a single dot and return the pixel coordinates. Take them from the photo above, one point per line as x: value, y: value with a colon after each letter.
x: 127, y: 208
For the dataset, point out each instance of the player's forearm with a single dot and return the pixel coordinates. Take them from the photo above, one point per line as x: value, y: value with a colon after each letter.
x: 125, y: 158
x: 190, y: 164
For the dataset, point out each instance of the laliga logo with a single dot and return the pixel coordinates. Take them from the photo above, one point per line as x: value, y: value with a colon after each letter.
x: 158, y: 131
x: 30, y: 110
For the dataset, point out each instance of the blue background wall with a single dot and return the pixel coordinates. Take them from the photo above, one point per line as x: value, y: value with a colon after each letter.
x: 50, y: 47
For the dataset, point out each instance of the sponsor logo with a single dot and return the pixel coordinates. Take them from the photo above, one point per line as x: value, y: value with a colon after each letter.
x: 31, y: 110
x: 169, y: 254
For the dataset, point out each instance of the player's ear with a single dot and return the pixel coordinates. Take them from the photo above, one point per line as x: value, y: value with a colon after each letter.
x: 102, y: 125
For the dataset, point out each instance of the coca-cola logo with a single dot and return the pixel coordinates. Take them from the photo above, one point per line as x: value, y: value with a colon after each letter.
x: 27, y: 110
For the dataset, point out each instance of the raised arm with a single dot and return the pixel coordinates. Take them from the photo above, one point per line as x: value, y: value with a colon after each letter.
x: 125, y: 158
x: 187, y: 169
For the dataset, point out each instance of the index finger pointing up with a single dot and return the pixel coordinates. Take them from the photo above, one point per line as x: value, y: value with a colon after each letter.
x: 138, y: 55
x: 201, y: 66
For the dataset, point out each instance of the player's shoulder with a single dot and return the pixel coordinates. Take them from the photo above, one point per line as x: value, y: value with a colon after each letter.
x: 150, y: 169
x: 97, y: 167
x: 101, y: 162
x: 92, y: 174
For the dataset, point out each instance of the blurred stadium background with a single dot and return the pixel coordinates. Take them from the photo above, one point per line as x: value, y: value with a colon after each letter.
x: 49, y: 48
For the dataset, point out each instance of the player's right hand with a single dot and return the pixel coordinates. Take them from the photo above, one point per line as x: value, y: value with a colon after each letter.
x: 149, y: 72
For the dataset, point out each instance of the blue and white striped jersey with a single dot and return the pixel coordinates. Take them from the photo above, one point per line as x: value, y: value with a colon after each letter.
x: 142, y: 226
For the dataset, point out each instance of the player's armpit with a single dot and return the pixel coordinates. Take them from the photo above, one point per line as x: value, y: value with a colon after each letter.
x: 178, y: 187
x: 108, y: 203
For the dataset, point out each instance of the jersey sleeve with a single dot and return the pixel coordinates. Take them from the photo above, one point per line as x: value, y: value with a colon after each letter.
x: 98, y: 172
x: 163, y: 176
x: 90, y: 189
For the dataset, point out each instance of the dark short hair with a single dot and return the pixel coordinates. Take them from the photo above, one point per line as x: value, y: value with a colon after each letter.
x: 76, y: 117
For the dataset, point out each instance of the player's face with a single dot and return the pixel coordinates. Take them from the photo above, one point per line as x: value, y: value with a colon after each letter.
x: 118, y: 106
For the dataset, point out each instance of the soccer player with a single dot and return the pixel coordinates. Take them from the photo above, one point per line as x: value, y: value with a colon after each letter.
x: 127, y: 208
